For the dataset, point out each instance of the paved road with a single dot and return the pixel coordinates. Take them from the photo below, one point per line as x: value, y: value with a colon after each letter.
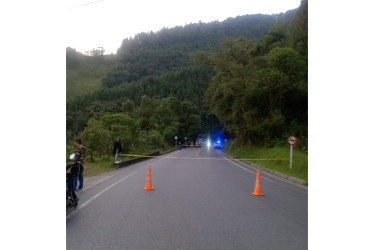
x: 197, y: 204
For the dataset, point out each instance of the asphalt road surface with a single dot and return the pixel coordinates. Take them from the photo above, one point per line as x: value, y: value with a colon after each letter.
x: 201, y: 201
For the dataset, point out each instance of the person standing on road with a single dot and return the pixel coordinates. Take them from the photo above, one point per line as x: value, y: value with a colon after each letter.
x: 117, y: 149
x: 79, y: 159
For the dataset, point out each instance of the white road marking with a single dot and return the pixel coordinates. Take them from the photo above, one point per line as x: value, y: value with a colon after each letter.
x: 172, y: 154
x: 262, y: 177
x: 101, y: 192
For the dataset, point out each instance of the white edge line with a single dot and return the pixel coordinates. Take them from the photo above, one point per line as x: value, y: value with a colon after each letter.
x: 262, y: 177
x: 172, y: 154
x: 101, y: 192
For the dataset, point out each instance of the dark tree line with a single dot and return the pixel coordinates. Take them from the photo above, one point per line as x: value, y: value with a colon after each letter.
x: 169, y: 49
x: 187, y: 85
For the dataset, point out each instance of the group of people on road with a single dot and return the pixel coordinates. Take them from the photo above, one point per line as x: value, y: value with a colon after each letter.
x: 77, y: 168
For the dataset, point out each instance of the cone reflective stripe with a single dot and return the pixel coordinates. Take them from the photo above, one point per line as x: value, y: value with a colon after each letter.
x: 257, y: 190
x: 148, y: 183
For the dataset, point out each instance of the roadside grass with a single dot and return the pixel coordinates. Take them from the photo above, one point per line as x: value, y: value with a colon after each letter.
x: 299, y: 159
x: 101, y: 165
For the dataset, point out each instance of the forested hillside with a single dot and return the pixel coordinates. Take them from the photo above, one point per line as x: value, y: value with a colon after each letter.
x: 245, y: 77
x: 84, y: 74
x: 260, y: 89
x: 169, y: 49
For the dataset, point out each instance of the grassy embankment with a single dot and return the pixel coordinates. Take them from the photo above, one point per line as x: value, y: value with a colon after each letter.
x: 84, y: 79
x: 103, y: 164
x: 299, y: 159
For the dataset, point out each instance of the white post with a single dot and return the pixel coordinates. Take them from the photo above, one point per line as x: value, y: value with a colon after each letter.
x: 291, y: 147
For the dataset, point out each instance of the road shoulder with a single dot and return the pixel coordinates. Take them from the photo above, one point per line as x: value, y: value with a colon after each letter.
x: 286, y: 178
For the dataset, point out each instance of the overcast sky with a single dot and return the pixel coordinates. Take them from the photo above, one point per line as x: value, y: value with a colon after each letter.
x: 105, y: 23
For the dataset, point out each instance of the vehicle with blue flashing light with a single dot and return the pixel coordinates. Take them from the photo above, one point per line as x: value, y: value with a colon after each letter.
x: 217, y: 144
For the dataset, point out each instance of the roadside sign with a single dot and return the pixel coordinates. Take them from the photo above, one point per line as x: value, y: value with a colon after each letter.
x: 292, y: 140
x: 176, y: 137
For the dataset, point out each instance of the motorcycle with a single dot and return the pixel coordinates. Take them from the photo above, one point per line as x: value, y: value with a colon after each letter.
x: 71, y: 197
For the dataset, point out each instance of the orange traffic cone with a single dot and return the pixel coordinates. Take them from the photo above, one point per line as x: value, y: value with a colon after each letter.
x: 258, y: 185
x: 148, y: 184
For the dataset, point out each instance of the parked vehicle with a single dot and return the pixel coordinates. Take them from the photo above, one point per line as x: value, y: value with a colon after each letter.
x: 71, y: 197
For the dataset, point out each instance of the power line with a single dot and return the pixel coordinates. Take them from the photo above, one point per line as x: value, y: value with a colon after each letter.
x: 81, y: 5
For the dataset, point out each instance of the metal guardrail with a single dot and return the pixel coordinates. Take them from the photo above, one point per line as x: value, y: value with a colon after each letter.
x: 135, y: 160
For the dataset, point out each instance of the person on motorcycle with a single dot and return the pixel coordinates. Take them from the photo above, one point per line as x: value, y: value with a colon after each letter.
x: 79, y: 159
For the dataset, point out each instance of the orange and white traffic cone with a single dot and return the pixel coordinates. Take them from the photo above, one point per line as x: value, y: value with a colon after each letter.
x: 257, y: 190
x: 148, y: 184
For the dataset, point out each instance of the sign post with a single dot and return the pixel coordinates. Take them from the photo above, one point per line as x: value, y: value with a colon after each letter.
x: 291, y: 141
x: 176, y: 138
x: 185, y: 138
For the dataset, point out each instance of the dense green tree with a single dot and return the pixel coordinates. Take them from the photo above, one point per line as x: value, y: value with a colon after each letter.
x: 145, y: 111
x: 289, y: 62
x: 128, y: 105
x: 107, y: 128
x: 299, y: 29
x: 96, y: 132
x: 99, y: 51
x: 189, y: 119
x: 250, y: 92
x: 166, y: 118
